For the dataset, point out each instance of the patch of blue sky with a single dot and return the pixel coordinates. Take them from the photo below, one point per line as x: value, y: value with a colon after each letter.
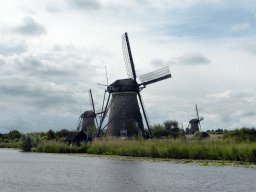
x: 7, y: 50
x: 212, y: 22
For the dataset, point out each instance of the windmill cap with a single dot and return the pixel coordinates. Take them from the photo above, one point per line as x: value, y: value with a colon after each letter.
x: 194, y: 121
x: 88, y: 114
x: 123, y: 85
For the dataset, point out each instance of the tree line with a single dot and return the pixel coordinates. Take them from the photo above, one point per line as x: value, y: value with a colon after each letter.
x: 16, y: 136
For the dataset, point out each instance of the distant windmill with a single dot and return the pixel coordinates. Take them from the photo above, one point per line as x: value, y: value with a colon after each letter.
x: 124, y: 106
x: 87, y: 118
x: 195, y: 123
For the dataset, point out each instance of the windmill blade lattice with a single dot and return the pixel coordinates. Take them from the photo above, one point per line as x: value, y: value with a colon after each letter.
x: 92, y: 104
x: 155, y: 76
x: 197, y: 112
x: 128, y: 57
x: 79, y: 125
x: 90, y: 99
x: 108, y: 107
x: 198, y: 119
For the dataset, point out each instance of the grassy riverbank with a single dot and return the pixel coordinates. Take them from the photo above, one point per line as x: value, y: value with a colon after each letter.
x: 214, y: 148
x: 10, y: 145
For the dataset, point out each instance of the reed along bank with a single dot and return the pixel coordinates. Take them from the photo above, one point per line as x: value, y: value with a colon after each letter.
x: 214, y: 148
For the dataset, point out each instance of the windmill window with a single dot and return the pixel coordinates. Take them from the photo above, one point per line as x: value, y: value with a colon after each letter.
x: 123, y: 134
x: 123, y: 115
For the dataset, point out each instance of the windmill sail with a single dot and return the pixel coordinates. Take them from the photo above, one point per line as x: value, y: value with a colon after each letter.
x: 128, y: 57
x: 145, y: 114
x: 79, y: 125
x: 198, y: 119
x: 108, y: 105
x: 92, y: 104
x: 158, y: 75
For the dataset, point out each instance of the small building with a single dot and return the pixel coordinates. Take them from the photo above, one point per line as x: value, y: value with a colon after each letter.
x: 77, y: 138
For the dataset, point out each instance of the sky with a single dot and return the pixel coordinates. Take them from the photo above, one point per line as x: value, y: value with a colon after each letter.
x: 53, y: 51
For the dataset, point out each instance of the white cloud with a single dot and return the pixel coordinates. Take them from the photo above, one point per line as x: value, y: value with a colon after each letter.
x: 115, y: 6
x: 193, y: 59
x: 13, y: 46
x: 85, y: 4
x: 225, y: 94
x: 251, y: 48
x: 190, y: 58
x: 157, y: 62
x: 232, y: 94
x: 29, y: 27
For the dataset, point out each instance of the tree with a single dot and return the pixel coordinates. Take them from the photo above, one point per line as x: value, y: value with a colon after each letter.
x: 158, y: 131
x: 91, y: 130
x: 42, y: 134
x: 26, y: 143
x: 35, y: 139
x: 14, y: 134
x: 172, y: 128
x: 50, y: 134
x: 63, y: 133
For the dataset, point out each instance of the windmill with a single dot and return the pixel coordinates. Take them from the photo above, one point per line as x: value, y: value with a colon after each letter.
x: 195, y: 123
x: 87, y: 118
x: 124, y: 105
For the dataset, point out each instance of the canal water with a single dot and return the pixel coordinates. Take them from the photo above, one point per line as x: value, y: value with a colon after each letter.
x: 30, y: 172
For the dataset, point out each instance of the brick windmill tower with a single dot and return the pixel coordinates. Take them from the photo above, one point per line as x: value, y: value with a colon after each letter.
x: 88, y: 118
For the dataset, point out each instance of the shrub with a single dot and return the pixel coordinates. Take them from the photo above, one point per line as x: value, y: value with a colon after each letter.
x: 240, y: 135
x: 34, y: 150
x: 9, y: 145
x: 60, y: 147
x: 6, y: 141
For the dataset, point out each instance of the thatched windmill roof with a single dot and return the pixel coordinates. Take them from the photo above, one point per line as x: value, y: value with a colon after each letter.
x: 123, y: 85
x: 194, y: 121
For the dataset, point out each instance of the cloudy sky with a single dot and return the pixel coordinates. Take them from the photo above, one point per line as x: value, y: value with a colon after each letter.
x: 52, y: 52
